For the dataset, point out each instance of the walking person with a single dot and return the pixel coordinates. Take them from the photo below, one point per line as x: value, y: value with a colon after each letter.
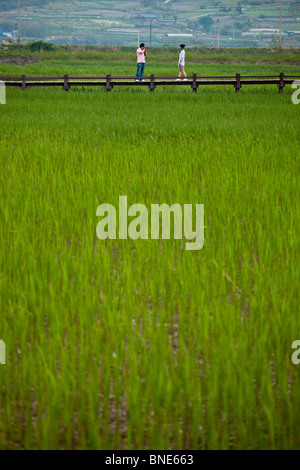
x: 141, y: 61
x: 181, y: 62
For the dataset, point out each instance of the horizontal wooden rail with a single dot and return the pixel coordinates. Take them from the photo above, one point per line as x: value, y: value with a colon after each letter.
x: 114, y: 77
x: 152, y: 81
x: 157, y: 77
x: 132, y: 77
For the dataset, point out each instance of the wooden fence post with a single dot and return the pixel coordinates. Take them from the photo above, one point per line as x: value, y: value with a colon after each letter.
x: 152, y: 85
x: 238, y: 85
x: 108, y: 86
x: 281, y: 83
x: 66, y: 86
x: 195, y: 85
x: 23, y: 82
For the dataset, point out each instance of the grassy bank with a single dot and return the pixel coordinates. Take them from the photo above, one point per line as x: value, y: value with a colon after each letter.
x: 163, y: 54
x: 127, y: 66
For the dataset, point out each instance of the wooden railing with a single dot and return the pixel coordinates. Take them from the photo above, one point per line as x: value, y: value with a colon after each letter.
x: 194, y: 81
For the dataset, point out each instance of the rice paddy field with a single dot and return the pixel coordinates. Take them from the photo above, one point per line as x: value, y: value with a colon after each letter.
x: 141, y: 344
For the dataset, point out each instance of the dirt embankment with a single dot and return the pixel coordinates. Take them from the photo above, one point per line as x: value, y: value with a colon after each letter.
x: 18, y: 60
x: 25, y: 60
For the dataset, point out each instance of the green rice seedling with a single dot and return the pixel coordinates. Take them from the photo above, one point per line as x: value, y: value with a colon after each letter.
x: 140, y: 344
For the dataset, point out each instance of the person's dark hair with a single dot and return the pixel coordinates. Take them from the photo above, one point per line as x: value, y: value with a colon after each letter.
x: 182, y: 45
x: 142, y: 44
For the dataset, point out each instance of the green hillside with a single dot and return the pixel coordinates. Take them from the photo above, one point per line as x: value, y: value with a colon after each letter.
x: 197, y: 22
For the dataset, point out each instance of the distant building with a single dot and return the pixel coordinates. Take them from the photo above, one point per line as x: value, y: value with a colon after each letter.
x: 144, y: 16
x: 285, y: 19
x: 6, y: 35
x: 184, y: 35
x: 264, y: 30
x: 292, y: 33
x: 265, y: 34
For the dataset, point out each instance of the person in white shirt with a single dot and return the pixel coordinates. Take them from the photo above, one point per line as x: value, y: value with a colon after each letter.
x: 181, y: 62
x: 141, y: 60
